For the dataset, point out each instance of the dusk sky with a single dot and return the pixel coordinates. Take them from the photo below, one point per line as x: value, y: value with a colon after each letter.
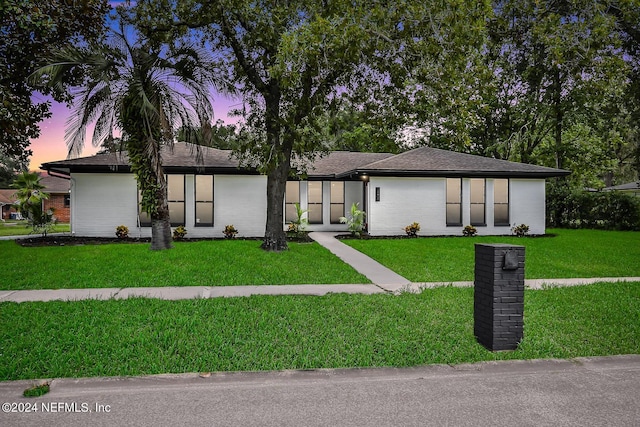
x: 51, y: 146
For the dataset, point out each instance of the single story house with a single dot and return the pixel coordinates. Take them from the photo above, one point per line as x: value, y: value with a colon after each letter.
x: 441, y: 190
x: 57, y: 187
x: 630, y: 188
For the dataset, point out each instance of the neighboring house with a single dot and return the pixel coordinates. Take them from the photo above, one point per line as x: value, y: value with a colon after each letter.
x: 441, y: 190
x: 631, y: 188
x: 59, y: 196
x: 7, y: 200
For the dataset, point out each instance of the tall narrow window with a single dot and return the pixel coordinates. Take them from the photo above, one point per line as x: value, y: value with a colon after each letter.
x: 314, y: 199
x: 477, y: 202
x: 291, y: 197
x: 175, y: 197
x: 337, y: 201
x: 204, y: 200
x: 145, y: 219
x: 454, y: 201
x: 501, y: 202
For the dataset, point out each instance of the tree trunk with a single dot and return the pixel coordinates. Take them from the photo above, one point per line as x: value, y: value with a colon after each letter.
x: 275, y: 239
x: 160, y: 220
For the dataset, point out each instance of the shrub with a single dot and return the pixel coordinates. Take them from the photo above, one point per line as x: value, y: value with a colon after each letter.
x: 122, y: 231
x: 412, y: 229
x: 179, y: 232
x: 469, y: 231
x: 297, y: 226
x: 355, y: 220
x: 609, y: 210
x: 520, y: 230
x: 229, y: 231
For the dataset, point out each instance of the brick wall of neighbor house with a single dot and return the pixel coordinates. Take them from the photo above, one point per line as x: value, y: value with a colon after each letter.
x: 60, y: 211
x: 423, y: 200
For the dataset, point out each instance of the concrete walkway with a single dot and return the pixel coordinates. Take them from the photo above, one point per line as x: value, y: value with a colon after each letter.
x: 379, y: 274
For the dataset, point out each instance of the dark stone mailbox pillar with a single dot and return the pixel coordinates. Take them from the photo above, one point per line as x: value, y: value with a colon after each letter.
x: 499, y: 296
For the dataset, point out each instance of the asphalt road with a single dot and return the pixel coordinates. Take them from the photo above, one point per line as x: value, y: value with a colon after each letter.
x: 580, y: 392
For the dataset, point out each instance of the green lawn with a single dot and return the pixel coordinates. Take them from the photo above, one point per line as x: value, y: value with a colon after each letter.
x: 203, y: 263
x: 21, y: 228
x: 149, y: 336
x: 570, y: 253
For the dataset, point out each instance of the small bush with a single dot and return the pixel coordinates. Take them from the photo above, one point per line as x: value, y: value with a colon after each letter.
x: 179, y: 232
x: 296, y: 227
x: 229, y: 231
x: 520, y: 230
x: 122, y: 231
x: 469, y: 231
x: 412, y: 229
x: 355, y: 220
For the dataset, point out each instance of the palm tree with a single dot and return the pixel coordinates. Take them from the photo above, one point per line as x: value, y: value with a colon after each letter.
x: 147, y: 92
x: 29, y: 201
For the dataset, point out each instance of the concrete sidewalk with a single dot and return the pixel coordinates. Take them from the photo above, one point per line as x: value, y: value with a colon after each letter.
x: 190, y: 292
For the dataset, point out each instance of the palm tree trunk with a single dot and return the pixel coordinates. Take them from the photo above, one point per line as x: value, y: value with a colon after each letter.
x: 160, y: 220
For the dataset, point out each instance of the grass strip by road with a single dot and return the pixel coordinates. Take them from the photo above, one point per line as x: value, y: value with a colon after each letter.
x: 147, y: 336
x: 203, y: 263
x: 563, y: 254
x: 21, y: 228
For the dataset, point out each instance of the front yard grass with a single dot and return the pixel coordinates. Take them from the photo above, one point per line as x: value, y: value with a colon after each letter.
x: 21, y: 228
x: 149, y: 336
x: 204, y: 263
x: 566, y: 254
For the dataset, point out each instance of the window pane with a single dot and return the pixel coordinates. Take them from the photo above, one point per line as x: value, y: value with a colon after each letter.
x: 453, y: 213
x: 204, y: 213
x: 501, y: 190
x: 315, y: 213
x: 453, y: 190
x: 337, y: 210
x: 204, y: 188
x: 290, y: 213
x: 477, y: 214
x: 477, y: 190
x: 315, y: 192
x: 337, y: 192
x: 176, y: 213
x: 501, y: 214
x: 175, y: 187
x: 292, y: 192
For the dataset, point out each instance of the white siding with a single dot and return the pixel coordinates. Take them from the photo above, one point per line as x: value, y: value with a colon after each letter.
x: 101, y: 202
x: 405, y: 200
x: 528, y: 204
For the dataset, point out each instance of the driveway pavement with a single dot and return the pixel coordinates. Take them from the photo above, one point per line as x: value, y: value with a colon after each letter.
x: 579, y: 392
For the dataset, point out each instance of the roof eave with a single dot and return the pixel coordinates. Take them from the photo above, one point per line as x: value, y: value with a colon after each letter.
x: 463, y: 174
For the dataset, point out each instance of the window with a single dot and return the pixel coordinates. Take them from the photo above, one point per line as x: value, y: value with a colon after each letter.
x: 337, y: 201
x: 477, y: 201
x: 145, y: 219
x: 204, y: 201
x: 454, y: 201
x: 175, y: 197
x: 291, y: 197
x: 501, y: 202
x: 314, y: 199
x: 67, y: 201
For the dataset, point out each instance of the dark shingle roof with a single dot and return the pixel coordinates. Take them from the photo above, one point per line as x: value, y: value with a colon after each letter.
x: 427, y: 161
x: 55, y: 184
x: 341, y: 163
x: 424, y: 161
